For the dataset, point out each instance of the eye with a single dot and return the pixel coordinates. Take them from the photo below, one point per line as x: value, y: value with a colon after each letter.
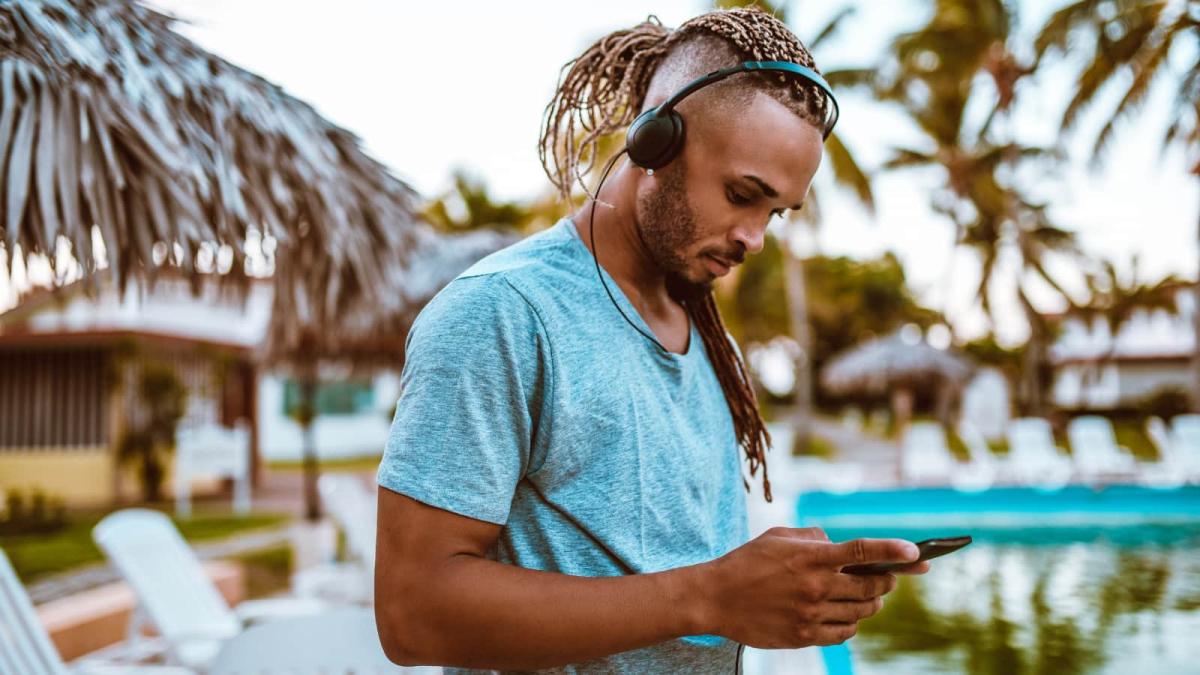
x: 736, y: 197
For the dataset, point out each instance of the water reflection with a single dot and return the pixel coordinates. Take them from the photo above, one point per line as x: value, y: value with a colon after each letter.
x: 999, y: 608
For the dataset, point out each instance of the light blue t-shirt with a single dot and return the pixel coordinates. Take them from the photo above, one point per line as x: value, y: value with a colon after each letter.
x: 528, y: 401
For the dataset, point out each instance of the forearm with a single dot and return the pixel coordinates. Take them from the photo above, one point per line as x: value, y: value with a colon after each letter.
x: 477, y: 613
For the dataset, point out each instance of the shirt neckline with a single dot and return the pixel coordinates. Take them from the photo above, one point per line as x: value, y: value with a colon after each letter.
x: 568, y: 223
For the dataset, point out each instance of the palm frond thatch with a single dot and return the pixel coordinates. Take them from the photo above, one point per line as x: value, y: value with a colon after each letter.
x: 876, y: 366
x: 365, y: 338
x: 111, y: 120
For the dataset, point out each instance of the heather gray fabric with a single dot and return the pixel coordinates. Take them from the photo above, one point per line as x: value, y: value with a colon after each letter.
x: 529, y: 402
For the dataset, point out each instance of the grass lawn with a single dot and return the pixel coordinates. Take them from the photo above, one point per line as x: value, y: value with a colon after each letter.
x: 35, y: 556
x: 349, y: 464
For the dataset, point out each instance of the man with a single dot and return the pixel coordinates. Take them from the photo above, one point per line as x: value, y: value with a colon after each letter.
x: 562, y: 486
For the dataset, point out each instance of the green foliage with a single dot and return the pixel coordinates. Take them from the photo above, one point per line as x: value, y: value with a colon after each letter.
x: 161, y: 397
x: 1166, y: 403
x: 268, y: 571
x: 469, y: 205
x: 32, y: 513
x: 850, y: 300
x: 475, y: 207
x: 813, y: 445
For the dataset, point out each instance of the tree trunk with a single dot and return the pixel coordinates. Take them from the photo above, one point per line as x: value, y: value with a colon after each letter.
x: 1031, y: 366
x: 797, y: 299
x: 1196, y: 333
x: 312, y: 501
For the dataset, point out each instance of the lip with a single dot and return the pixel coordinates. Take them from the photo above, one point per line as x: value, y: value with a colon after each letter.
x: 718, y: 266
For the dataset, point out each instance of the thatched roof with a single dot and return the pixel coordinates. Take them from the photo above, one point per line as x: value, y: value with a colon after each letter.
x: 876, y: 366
x: 362, y: 336
x: 109, y: 118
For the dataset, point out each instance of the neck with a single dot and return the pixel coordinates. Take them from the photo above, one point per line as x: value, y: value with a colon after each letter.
x: 621, y: 251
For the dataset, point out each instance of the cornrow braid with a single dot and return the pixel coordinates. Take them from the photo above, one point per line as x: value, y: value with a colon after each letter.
x: 604, y: 89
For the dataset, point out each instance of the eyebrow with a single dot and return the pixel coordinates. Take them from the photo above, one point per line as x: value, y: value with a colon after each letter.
x: 768, y: 190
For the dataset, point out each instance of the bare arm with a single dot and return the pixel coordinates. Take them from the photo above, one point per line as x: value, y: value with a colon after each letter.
x: 438, y: 600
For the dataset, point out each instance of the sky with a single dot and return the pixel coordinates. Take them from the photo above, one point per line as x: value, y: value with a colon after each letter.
x: 434, y: 86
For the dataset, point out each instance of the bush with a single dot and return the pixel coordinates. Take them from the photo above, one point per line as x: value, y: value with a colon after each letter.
x: 39, y: 514
x: 1166, y: 403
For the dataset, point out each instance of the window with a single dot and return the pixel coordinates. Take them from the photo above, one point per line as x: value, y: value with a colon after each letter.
x: 332, y: 398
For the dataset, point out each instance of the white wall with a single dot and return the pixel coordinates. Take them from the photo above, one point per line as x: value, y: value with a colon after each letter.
x: 336, y: 436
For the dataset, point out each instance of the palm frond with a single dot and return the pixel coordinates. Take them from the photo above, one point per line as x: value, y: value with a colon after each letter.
x: 1111, y: 56
x: 906, y: 158
x: 832, y: 27
x: 848, y: 173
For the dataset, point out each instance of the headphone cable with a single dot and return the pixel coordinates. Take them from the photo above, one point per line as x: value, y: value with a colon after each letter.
x: 737, y: 664
x: 596, y: 258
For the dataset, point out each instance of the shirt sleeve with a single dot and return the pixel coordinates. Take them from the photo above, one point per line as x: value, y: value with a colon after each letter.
x: 470, y: 401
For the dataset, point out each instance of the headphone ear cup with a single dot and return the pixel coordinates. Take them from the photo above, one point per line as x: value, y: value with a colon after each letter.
x: 655, y: 139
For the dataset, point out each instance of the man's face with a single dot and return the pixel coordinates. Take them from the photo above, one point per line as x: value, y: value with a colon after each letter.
x: 709, y: 208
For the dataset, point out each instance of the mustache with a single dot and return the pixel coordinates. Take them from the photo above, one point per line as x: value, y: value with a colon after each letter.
x: 736, y: 257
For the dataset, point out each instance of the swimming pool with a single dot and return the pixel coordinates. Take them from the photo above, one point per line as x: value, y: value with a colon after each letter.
x: 1080, y: 580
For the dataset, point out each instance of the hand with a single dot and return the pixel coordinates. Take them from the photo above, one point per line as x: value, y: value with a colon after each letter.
x: 784, y: 589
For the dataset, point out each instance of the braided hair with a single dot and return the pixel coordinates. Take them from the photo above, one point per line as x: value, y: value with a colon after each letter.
x: 604, y: 89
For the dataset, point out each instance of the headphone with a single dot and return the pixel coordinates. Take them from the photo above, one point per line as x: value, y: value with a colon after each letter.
x: 656, y: 137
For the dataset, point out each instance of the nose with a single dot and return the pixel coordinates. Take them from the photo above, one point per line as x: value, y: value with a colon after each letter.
x: 750, y: 237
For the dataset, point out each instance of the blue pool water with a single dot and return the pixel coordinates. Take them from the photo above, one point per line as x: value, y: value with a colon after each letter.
x: 1080, y: 580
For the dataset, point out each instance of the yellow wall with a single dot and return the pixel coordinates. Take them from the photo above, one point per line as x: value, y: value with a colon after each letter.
x: 80, y: 476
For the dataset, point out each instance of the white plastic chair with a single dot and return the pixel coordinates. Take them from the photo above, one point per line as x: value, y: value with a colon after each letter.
x: 1176, y: 464
x: 1185, y: 439
x: 173, y: 592
x: 343, y: 641
x: 925, y: 456
x: 26, y: 649
x: 353, y: 509
x: 1033, y: 458
x: 1094, y: 449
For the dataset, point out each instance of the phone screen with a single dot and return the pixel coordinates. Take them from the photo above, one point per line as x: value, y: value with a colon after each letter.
x: 930, y: 549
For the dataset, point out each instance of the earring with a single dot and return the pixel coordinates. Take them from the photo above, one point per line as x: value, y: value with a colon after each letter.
x: 649, y: 172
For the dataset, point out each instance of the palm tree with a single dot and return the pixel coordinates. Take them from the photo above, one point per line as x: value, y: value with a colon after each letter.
x: 1116, y: 301
x: 1132, y: 42
x: 933, y: 73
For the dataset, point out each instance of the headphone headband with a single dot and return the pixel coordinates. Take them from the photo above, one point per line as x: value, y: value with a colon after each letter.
x: 805, y: 72
x: 656, y: 136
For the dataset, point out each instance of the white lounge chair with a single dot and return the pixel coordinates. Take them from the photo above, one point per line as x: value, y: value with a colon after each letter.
x: 925, y: 456
x: 26, y: 649
x: 353, y: 509
x: 173, y: 592
x: 1033, y: 458
x: 1185, y: 439
x: 343, y: 641
x: 981, y: 472
x: 1094, y: 449
x: 1170, y: 471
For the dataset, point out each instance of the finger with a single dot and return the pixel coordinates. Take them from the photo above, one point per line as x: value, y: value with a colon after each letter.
x: 848, y: 611
x: 915, y: 568
x: 810, y: 533
x: 862, y: 551
x: 825, y: 634
x: 857, y: 587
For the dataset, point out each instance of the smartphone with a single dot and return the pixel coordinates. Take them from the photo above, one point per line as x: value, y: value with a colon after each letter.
x: 930, y: 548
